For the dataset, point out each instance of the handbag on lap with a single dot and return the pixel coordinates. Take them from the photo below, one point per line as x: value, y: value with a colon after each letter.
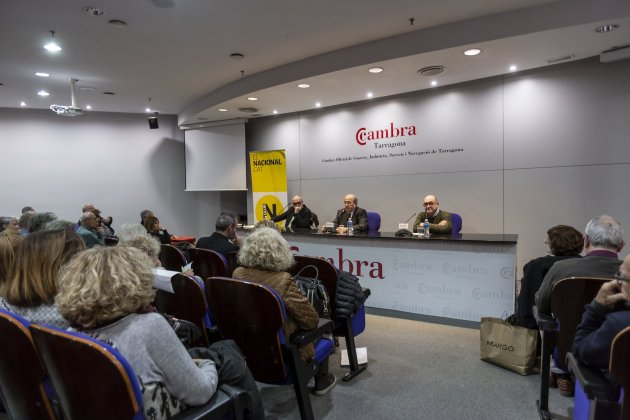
x: 507, y: 345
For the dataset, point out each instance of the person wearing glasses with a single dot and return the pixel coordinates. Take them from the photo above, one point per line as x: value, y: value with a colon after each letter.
x: 603, y: 239
x: 298, y: 216
x: 439, y: 220
x: 603, y: 319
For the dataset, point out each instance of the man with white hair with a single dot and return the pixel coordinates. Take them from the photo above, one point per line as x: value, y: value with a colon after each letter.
x: 89, y: 230
x: 603, y: 239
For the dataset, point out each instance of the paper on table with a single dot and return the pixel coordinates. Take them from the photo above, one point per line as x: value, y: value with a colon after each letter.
x: 187, y: 267
x: 162, y: 279
x: 361, y: 356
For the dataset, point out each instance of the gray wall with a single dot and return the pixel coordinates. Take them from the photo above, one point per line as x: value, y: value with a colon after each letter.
x: 540, y: 148
x: 113, y: 160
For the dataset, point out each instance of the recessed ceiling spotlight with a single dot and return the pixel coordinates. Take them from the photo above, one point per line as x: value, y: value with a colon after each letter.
x: 147, y: 110
x: 513, y: 67
x: 43, y: 93
x: 606, y: 28
x: 275, y: 111
x: 433, y: 83
x: 237, y: 56
x: 369, y: 94
x: 252, y: 98
x: 117, y: 23
x: 318, y: 104
x: 375, y: 69
x: 52, y: 45
x: 93, y: 11
x: 41, y: 74
x: 88, y: 107
x: 472, y: 51
x: 222, y: 109
x: 22, y: 103
x: 303, y: 85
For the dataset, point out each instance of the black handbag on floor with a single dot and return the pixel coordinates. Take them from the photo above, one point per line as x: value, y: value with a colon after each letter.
x: 314, y: 291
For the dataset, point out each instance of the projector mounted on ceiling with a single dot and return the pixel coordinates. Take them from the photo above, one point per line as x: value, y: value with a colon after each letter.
x: 65, y: 110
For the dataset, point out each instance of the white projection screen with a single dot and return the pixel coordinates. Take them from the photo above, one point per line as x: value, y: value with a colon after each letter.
x: 216, y: 158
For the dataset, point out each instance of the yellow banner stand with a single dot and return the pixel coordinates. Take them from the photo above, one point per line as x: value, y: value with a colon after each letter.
x: 269, y: 183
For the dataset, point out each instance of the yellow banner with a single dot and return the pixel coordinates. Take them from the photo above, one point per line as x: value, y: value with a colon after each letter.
x: 269, y: 183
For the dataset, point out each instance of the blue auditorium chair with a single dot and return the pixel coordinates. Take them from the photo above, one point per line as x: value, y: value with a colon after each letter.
x: 456, y: 221
x: 374, y: 221
x: 21, y: 374
x: 207, y: 263
x: 253, y: 315
x: 568, y: 299
x: 344, y: 326
x: 94, y: 381
x: 188, y: 301
x: 595, y: 397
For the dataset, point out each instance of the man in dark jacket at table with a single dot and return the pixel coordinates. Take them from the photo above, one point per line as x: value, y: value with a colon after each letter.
x: 298, y: 216
x: 351, y: 211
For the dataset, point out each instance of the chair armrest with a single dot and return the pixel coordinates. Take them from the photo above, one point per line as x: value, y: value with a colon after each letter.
x: 301, y: 337
x: 592, y: 380
x: 366, y: 292
x: 545, y: 321
x: 227, y: 399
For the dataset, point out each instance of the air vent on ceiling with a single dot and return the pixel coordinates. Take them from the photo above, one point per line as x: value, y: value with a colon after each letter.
x: 256, y: 115
x: 431, y: 70
x: 248, y: 109
x: 560, y: 59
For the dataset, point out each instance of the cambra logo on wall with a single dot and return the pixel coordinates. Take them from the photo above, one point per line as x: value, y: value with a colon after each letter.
x: 389, y: 134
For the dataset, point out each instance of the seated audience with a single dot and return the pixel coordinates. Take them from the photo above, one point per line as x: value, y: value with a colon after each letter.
x: 351, y: 211
x: 103, y: 226
x: 144, y: 214
x: 264, y: 258
x: 267, y: 223
x: 603, y: 319
x: 30, y: 290
x: 224, y: 240
x: 298, y: 216
x: 564, y: 242
x: 603, y: 239
x: 89, y: 230
x: 25, y: 222
x: 60, y: 224
x: 38, y: 220
x: 155, y: 229
x: 103, y: 293
x: 7, y: 258
x: 28, y: 209
x: 128, y: 231
x: 439, y: 220
x: 10, y: 230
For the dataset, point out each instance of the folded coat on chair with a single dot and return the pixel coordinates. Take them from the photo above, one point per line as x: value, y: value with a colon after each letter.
x: 349, y: 295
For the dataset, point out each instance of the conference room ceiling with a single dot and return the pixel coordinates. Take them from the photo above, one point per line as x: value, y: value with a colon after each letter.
x: 177, y: 52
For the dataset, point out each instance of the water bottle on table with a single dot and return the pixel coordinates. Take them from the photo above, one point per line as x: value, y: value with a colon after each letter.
x: 350, y: 228
x: 426, y: 228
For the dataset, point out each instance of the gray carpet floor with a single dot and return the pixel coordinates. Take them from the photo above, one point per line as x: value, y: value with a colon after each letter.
x: 419, y: 370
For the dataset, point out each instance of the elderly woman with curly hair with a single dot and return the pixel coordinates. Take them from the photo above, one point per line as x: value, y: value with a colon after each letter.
x: 103, y: 293
x: 31, y: 286
x: 564, y: 242
x: 264, y: 258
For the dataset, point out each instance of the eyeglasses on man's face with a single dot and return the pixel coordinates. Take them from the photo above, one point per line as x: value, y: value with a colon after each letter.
x: 620, y: 278
x: 296, y: 203
x: 429, y: 203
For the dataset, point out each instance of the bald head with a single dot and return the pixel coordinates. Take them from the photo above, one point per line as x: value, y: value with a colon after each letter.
x: 430, y: 204
x: 350, y: 202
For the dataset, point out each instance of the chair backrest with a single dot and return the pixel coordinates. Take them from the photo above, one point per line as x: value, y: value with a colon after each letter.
x: 620, y: 367
x: 253, y: 316
x: 171, y: 258
x: 374, y: 221
x: 188, y: 301
x: 456, y: 222
x: 21, y: 373
x: 232, y: 261
x: 327, y: 274
x: 92, y: 379
x: 568, y: 298
x: 207, y: 263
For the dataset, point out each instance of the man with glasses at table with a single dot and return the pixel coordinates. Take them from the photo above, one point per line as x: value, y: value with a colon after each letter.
x: 439, y: 220
x: 603, y: 319
x: 298, y: 216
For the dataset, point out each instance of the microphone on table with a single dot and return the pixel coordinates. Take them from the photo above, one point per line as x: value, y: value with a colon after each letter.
x: 405, y: 233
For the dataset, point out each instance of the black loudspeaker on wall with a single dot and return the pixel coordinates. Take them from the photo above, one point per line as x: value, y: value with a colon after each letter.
x: 153, y: 122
